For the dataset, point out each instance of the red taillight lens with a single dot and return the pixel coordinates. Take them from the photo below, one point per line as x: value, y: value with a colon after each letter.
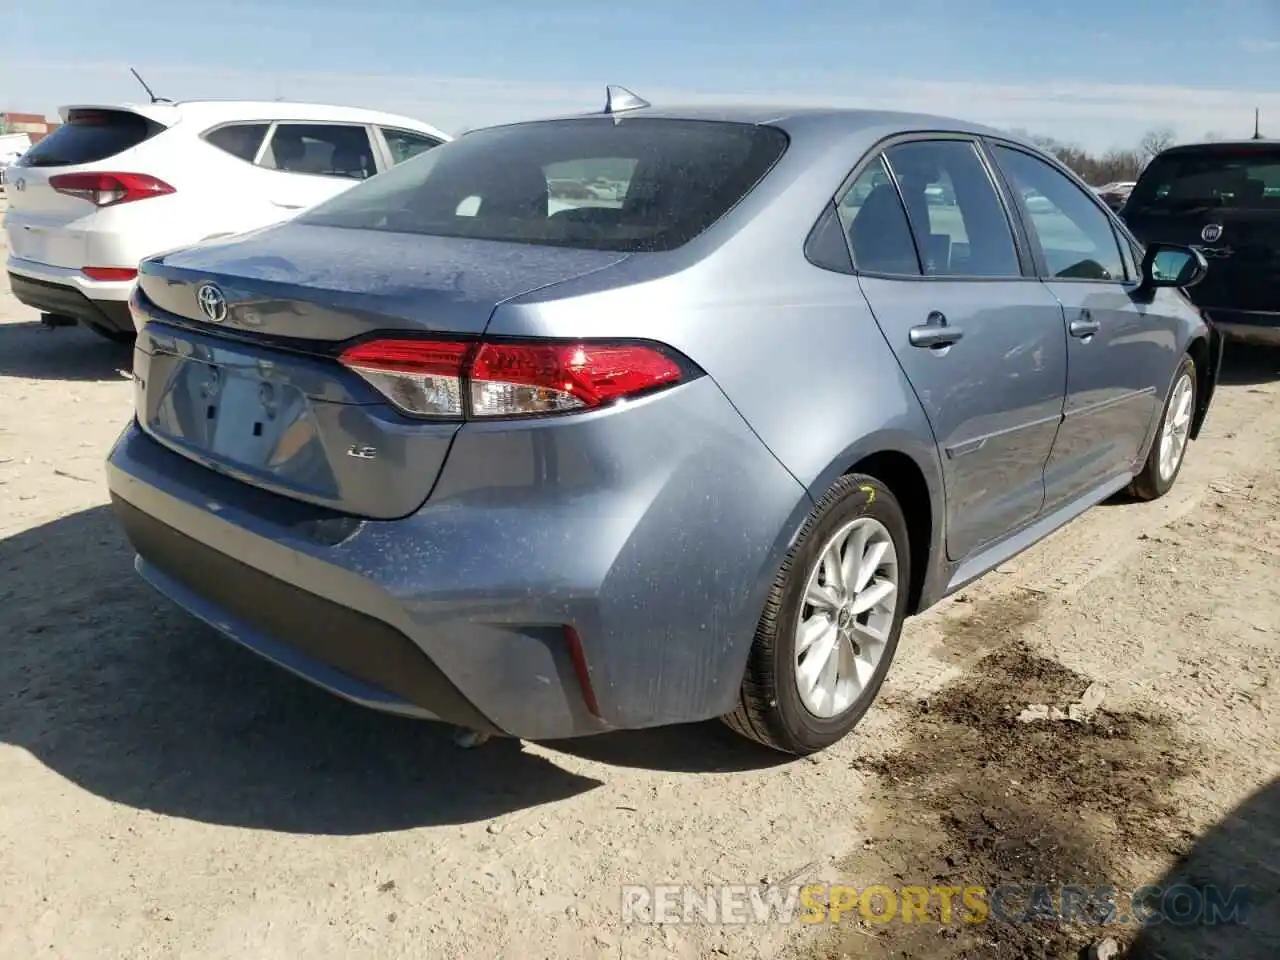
x: 498, y: 379
x: 109, y: 189
x: 512, y: 379
x: 109, y: 273
x: 422, y: 377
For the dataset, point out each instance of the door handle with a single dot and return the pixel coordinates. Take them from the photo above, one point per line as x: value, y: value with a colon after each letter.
x: 934, y: 332
x: 1084, y: 326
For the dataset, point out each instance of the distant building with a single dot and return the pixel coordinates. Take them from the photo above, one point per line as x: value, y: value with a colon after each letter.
x: 32, y: 124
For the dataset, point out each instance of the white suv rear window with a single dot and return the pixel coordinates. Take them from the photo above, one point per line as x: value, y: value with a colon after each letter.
x: 89, y: 136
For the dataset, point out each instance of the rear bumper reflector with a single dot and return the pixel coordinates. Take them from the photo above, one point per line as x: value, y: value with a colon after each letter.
x: 110, y: 274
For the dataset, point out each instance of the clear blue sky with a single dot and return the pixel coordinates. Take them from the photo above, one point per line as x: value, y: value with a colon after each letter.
x: 1094, y: 72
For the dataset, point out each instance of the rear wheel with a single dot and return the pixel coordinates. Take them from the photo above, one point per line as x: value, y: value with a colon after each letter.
x: 831, y: 624
x: 1164, y: 461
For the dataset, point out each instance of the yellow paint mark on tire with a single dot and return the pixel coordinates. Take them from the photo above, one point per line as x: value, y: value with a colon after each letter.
x: 870, y: 492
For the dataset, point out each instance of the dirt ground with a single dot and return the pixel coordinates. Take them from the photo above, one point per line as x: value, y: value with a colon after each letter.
x: 165, y: 794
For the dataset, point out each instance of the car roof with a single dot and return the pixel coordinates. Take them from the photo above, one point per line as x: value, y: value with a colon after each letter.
x: 836, y: 121
x: 208, y: 112
x: 1212, y: 145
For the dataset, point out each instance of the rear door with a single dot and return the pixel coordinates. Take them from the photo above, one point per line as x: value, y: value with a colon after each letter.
x: 979, y: 338
x: 309, y: 163
x: 47, y: 227
x: 1121, y: 352
x: 1224, y: 199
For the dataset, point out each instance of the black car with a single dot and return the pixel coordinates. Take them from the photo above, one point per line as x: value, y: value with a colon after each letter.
x: 1223, y: 198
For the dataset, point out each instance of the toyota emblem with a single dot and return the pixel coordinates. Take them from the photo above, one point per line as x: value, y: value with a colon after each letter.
x: 1212, y: 233
x: 212, y: 303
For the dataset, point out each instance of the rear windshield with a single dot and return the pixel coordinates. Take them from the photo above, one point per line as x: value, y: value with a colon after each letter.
x: 639, y: 184
x: 89, y: 136
x: 1238, y: 178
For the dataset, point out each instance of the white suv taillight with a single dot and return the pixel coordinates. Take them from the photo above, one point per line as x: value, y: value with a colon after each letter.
x: 109, y: 189
x: 487, y: 379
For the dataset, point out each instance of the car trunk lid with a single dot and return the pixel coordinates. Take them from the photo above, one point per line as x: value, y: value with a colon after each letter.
x: 259, y: 394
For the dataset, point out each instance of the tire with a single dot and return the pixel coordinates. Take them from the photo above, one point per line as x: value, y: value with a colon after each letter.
x: 1154, y: 481
x: 772, y: 709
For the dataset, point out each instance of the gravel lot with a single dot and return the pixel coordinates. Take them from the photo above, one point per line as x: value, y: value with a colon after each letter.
x: 164, y: 794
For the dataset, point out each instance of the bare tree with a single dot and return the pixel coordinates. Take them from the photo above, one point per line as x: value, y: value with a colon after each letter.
x: 1156, y: 141
x: 1121, y: 165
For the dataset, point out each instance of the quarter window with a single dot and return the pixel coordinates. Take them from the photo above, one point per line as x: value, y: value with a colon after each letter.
x: 1075, y: 236
x: 327, y: 150
x: 960, y: 226
x: 238, y: 139
x: 405, y: 145
x: 875, y: 222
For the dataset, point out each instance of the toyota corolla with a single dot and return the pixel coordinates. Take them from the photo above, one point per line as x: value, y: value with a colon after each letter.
x: 542, y: 468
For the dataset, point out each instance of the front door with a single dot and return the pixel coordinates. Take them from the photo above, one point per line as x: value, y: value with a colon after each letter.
x: 1120, y: 351
x: 982, y: 344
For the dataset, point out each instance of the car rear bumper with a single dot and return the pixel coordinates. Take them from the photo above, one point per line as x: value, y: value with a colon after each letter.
x: 70, y: 300
x: 1248, y: 326
x: 99, y: 291
x: 460, y: 611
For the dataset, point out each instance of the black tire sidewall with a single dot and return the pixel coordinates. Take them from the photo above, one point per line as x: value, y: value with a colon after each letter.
x: 857, y: 496
x: 1162, y: 486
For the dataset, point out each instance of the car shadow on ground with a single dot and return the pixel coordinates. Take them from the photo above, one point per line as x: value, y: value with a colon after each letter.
x: 1232, y: 866
x: 1244, y: 364
x: 701, y: 748
x: 36, y: 352
x: 108, y: 684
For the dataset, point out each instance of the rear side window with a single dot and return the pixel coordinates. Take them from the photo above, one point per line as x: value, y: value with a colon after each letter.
x: 326, y: 150
x: 89, y: 136
x: 1242, y: 178
x: 957, y: 219
x: 876, y: 224
x: 405, y: 145
x: 239, y: 139
x: 641, y: 184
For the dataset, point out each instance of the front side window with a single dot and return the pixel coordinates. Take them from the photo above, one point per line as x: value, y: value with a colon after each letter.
x: 959, y: 223
x: 405, y: 145
x: 1075, y: 236
x: 327, y: 150
x: 875, y: 222
x: 640, y: 184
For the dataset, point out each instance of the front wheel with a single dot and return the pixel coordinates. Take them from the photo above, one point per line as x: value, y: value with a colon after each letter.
x: 831, y: 624
x: 1164, y: 461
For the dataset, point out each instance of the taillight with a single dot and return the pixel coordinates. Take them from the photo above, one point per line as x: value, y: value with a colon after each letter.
x: 421, y: 377
x: 109, y: 189
x: 481, y: 380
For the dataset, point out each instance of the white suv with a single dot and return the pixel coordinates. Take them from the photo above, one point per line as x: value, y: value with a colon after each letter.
x: 118, y: 183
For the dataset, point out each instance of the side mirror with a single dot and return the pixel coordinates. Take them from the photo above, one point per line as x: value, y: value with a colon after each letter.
x: 1173, y: 265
